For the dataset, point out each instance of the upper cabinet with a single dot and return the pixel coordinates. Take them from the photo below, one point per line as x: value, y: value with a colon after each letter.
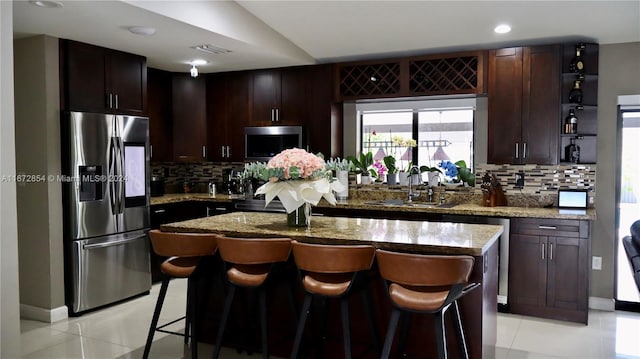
x: 442, y: 74
x: 189, y: 118
x: 524, y: 105
x: 98, y: 79
x: 228, y: 112
x: 159, y: 112
x: 579, y: 119
x: 279, y: 96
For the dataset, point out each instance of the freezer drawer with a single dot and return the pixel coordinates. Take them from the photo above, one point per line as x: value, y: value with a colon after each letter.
x: 108, y: 269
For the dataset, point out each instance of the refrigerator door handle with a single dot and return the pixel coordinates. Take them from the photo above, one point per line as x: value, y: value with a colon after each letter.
x: 111, y: 244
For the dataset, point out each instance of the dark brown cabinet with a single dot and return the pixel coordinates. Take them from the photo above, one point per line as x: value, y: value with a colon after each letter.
x: 524, y: 105
x: 98, y: 79
x: 324, y: 116
x: 159, y: 112
x: 279, y: 96
x: 548, y: 268
x: 189, y: 118
x: 227, y: 114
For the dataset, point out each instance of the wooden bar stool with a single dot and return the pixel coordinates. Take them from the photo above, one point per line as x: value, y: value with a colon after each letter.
x: 248, y: 264
x: 425, y: 284
x: 184, y: 251
x: 333, y: 271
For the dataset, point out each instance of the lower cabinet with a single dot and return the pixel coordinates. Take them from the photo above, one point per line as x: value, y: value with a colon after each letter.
x: 548, y: 268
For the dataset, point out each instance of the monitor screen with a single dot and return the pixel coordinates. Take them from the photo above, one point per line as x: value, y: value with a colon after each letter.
x: 576, y: 198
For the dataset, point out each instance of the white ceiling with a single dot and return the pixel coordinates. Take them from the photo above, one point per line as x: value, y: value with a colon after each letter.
x: 264, y: 34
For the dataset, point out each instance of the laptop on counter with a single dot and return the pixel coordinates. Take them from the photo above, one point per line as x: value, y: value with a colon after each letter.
x: 573, y: 201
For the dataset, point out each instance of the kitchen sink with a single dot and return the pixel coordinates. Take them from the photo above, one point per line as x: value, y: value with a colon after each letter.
x: 417, y: 204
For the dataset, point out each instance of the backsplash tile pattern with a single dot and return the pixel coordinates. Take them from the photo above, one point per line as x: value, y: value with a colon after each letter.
x: 541, y: 182
x: 198, y: 174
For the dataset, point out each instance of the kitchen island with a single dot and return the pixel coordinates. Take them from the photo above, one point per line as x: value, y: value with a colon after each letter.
x: 480, y: 241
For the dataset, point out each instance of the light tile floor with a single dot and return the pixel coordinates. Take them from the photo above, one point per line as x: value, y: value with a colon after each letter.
x: 120, y: 332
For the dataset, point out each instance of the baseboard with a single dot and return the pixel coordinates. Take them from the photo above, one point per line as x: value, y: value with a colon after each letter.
x: 602, y: 304
x: 43, y: 314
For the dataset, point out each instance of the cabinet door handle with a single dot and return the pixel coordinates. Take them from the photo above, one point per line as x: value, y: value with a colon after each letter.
x: 150, y: 151
x: 542, y: 250
x: 110, y: 100
x: 517, y: 147
x: 547, y: 227
x: 273, y: 114
x: 228, y: 151
x: 550, y: 251
x: 204, y: 151
x: 277, y: 115
x: 116, y: 96
x: 159, y: 211
x: 524, y: 150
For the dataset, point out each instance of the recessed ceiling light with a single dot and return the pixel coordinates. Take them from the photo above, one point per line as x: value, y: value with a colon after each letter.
x: 502, y: 29
x: 142, y: 30
x: 198, y: 62
x: 46, y: 3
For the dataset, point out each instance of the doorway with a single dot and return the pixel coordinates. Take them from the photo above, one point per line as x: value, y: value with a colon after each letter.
x: 627, y: 294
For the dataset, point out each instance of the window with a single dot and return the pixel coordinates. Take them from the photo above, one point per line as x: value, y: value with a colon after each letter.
x: 440, y: 132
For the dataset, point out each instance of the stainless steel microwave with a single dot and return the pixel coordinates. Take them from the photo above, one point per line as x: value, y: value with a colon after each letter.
x: 262, y: 143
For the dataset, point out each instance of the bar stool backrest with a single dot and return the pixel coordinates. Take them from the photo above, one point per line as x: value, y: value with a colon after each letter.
x: 321, y: 258
x: 178, y: 244
x: 424, y: 270
x: 254, y: 250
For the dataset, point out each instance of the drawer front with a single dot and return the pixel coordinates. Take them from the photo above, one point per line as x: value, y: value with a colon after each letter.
x: 550, y: 227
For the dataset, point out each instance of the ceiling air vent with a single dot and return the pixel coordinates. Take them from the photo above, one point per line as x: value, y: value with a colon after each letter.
x: 211, y: 49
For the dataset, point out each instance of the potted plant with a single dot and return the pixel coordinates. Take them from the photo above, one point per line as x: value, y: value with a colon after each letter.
x: 363, y: 165
x: 458, y: 173
x: 341, y: 169
x: 433, y: 175
x: 392, y: 170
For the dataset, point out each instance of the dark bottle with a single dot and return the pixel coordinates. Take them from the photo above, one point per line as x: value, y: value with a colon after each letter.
x: 572, y: 151
x: 575, y: 95
x: 571, y: 123
x: 577, y: 64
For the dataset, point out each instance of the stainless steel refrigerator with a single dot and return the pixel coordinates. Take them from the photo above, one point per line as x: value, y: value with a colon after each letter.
x: 105, y: 166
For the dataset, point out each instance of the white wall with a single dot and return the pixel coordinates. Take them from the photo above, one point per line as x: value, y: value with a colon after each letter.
x: 9, y: 308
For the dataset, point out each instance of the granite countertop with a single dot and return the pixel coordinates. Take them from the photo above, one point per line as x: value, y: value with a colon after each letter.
x: 182, y: 197
x: 465, y: 209
x: 416, y: 236
x: 473, y: 209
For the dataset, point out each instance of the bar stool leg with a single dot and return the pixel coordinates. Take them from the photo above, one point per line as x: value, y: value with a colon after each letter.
x: 405, y: 322
x: 459, y: 330
x: 304, y: 313
x: 366, y: 302
x: 156, y: 316
x: 262, y: 297
x: 187, y: 325
x: 391, y: 331
x: 223, y: 320
x: 346, y: 327
x: 192, y: 299
x: 438, y: 326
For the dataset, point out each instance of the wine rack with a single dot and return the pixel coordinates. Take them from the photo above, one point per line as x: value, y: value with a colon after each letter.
x: 587, y: 110
x: 443, y: 74
x: 370, y: 81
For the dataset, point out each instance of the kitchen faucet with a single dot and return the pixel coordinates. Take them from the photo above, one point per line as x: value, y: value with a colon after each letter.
x: 411, y: 195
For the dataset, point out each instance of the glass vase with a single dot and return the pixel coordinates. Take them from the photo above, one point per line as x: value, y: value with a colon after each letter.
x: 301, y: 217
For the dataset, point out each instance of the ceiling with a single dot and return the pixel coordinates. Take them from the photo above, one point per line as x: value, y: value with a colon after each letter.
x: 263, y: 34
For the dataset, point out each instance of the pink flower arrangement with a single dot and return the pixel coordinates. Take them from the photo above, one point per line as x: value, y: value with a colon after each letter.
x: 380, y: 168
x: 295, y: 163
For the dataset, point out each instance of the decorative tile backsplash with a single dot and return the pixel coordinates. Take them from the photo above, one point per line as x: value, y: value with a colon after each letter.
x: 198, y: 174
x: 541, y: 182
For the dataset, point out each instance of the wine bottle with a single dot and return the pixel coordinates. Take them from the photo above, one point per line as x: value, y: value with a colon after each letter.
x: 575, y: 95
x: 577, y: 64
x: 572, y: 151
x: 571, y: 123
